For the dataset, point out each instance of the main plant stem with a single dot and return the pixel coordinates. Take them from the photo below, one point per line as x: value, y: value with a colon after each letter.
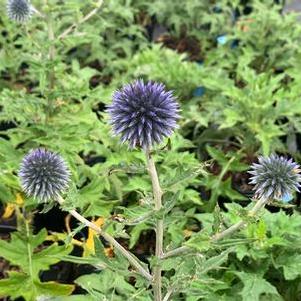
x: 129, y: 256
x: 157, y: 194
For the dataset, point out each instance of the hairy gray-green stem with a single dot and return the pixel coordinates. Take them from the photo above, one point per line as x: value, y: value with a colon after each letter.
x: 157, y: 194
x: 128, y: 255
x: 218, y: 236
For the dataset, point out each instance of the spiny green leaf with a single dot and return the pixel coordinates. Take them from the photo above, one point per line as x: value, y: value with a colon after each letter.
x: 21, y: 285
x: 200, y: 241
x: 255, y: 286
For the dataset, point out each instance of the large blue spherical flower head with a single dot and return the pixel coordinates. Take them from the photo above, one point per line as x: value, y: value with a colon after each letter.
x: 275, y: 177
x: 143, y: 113
x: 19, y: 10
x: 44, y: 175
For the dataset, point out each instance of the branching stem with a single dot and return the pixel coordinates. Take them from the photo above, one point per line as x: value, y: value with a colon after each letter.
x: 128, y: 255
x: 219, y: 236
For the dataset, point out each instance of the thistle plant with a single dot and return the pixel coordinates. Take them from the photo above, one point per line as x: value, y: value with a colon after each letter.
x: 44, y: 175
x: 275, y: 177
x: 143, y: 113
x: 19, y: 10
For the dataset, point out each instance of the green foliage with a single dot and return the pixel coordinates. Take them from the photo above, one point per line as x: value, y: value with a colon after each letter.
x: 255, y: 286
x: 268, y: 246
x: 24, y: 251
x: 167, y: 66
x: 255, y: 112
x: 108, y: 283
x: 202, y: 19
x: 220, y: 185
x: 53, y: 92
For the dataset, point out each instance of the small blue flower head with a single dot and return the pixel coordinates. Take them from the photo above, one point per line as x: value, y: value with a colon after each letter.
x: 143, y: 113
x: 275, y: 177
x: 19, y: 10
x: 44, y: 175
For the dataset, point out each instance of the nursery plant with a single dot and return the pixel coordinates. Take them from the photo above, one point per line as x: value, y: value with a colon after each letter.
x: 143, y: 114
x: 127, y: 130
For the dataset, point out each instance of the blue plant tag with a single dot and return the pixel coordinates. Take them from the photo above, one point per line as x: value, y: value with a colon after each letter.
x: 199, y: 91
x: 222, y: 40
x: 287, y: 198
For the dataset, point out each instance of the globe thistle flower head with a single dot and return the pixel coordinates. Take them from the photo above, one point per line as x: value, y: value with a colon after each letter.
x: 44, y: 175
x: 143, y: 113
x: 275, y: 177
x: 19, y: 10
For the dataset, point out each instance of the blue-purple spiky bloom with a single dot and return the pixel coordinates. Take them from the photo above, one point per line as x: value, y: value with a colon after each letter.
x: 19, y: 10
x: 275, y: 177
x: 44, y: 175
x: 143, y: 113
